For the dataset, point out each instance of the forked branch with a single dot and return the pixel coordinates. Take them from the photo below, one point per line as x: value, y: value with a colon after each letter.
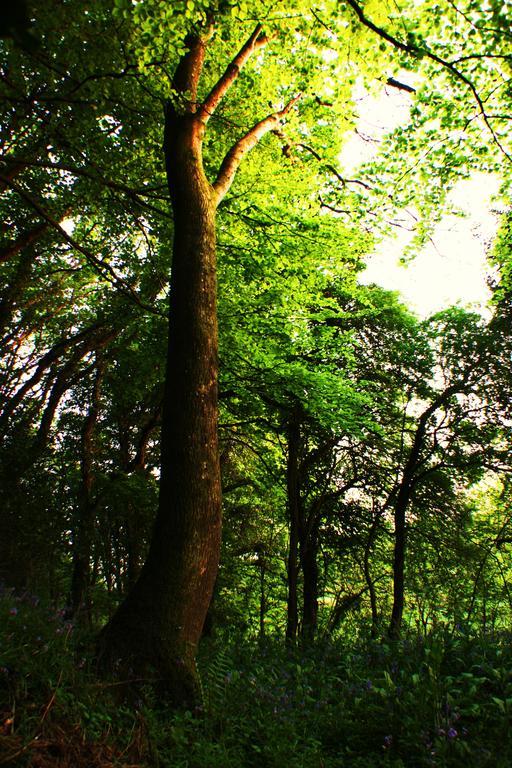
x: 243, y: 146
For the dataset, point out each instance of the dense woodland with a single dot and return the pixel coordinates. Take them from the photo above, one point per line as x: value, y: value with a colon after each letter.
x: 252, y: 510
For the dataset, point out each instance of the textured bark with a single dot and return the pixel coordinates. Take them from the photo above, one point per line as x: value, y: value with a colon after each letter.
x: 162, y: 617
x: 158, y: 626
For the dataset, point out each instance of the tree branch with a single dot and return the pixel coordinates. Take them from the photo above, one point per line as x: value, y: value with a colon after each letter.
x: 219, y: 90
x: 332, y: 169
x: 23, y: 241
x: 188, y: 71
x: 96, y: 336
x: 155, y: 420
x: 401, y: 86
x: 238, y: 151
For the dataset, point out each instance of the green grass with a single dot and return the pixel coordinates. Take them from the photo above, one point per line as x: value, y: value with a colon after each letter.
x: 439, y: 701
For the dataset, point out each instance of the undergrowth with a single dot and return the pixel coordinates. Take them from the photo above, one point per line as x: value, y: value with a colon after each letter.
x: 436, y: 701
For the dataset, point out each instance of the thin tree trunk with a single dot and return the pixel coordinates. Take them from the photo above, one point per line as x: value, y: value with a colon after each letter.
x: 399, y: 563
x: 84, y: 528
x: 293, y: 491
x: 263, y: 599
x: 368, y: 576
x: 309, y: 555
x: 131, y: 527
x: 403, y: 496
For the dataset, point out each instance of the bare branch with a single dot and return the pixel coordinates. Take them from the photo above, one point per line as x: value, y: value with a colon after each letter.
x: 378, y: 30
x: 238, y: 151
x: 472, y: 56
x: 323, y: 204
x: 479, y: 28
x: 332, y: 169
x: 219, y: 90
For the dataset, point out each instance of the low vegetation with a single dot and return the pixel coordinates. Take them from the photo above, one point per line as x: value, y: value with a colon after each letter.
x: 443, y: 699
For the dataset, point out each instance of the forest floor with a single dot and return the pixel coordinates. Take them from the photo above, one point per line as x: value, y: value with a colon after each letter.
x: 440, y: 700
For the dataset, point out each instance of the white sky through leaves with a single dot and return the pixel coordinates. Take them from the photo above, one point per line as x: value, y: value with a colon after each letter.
x: 452, y: 268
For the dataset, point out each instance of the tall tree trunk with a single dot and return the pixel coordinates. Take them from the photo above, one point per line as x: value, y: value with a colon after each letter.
x: 158, y: 626
x: 164, y: 613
